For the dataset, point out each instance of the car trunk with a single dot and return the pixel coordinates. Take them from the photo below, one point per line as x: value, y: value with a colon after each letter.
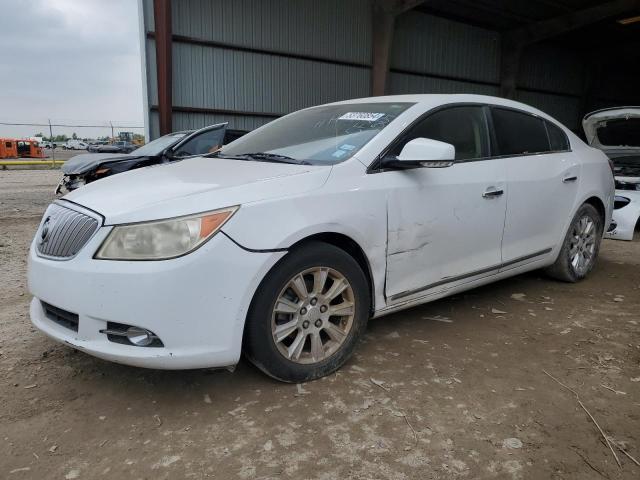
x: 616, y: 131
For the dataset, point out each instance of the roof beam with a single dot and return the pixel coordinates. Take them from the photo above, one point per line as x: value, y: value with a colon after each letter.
x: 502, y: 12
x: 553, y: 27
x: 555, y: 4
x: 396, y: 7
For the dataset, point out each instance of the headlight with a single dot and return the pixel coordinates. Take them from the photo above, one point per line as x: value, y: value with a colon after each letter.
x: 163, y: 239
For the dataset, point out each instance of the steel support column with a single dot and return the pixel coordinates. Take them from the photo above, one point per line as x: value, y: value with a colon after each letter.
x: 384, y: 23
x: 509, y: 68
x: 384, y: 19
x: 163, y: 36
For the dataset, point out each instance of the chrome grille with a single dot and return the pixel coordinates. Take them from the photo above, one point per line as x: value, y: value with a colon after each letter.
x: 64, y: 232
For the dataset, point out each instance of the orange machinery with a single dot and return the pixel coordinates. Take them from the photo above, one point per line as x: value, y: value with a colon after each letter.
x: 20, y: 148
x: 8, y: 148
x: 29, y: 149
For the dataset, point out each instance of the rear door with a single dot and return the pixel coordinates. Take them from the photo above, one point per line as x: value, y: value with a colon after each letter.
x: 542, y: 182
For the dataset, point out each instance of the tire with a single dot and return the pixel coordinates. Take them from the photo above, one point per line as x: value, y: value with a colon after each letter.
x: 310, y: 265
x: 566, y: 268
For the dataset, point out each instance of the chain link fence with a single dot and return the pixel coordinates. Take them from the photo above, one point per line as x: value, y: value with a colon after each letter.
x: 53, y: 135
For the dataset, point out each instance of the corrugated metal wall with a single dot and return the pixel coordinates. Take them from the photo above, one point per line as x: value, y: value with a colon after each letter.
x: 436, y: 55
x: 553, y: 80
x: 431, y: 45
x: 210, y: 77
x: 263, y: 57
x: 333, y: 29
x: 270, y: 57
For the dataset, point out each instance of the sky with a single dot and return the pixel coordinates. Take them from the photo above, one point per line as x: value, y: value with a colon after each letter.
x: 73, y: 61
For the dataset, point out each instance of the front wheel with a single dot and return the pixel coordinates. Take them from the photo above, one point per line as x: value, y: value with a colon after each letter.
x: 581, y: 245
x: 308, y: 314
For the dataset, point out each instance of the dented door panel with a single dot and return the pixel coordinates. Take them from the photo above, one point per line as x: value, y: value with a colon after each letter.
x: 440, y: 226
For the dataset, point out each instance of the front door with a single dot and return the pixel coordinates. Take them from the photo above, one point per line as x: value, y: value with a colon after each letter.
x: 445, y: 225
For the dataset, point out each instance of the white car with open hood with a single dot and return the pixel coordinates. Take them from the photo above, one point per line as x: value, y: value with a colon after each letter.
x: 616, y: 131
x: 283, y: 244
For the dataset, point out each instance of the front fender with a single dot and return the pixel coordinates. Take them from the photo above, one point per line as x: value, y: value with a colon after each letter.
x: 345, y: 205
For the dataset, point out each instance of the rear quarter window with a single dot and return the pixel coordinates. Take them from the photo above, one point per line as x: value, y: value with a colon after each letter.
x: 519, y: 133
x: 557, y: 138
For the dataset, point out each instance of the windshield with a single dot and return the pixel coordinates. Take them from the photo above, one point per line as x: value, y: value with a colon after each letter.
x: 322, y: 135
x: 158, y: 145
x: 620, y: 132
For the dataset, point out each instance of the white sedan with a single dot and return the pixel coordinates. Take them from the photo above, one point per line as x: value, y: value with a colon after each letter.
x: 287, y: 241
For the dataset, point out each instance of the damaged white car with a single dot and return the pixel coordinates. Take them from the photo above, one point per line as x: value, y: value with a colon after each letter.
x: 283, y: 244
x: 616, y: 131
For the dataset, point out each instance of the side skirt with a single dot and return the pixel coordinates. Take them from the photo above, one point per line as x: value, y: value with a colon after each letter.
x: 507, y: 269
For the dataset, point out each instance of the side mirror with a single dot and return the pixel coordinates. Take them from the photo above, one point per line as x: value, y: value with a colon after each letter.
x: 425, y: 152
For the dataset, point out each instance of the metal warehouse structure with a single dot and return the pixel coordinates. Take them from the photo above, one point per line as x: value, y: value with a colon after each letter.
x: 250, y: 61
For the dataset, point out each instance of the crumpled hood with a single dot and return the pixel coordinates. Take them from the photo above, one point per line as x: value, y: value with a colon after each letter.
x: 592, y: 121
x: 193, y: 185
x: 87, y: 161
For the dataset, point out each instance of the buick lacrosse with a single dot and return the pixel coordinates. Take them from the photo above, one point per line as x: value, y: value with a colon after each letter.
x: 283, y: 244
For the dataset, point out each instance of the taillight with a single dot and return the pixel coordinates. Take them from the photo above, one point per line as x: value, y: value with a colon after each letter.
x: 611, y: 167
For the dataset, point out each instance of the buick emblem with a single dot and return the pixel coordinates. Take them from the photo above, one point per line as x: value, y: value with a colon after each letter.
x: 44, y: 233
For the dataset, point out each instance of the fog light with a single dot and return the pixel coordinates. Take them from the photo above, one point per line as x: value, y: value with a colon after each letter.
x: 140, y: 336
x: 130, y: 335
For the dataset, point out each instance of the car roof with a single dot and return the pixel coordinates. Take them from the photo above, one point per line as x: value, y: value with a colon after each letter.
x: 437, y: 99
x: 181, y: 132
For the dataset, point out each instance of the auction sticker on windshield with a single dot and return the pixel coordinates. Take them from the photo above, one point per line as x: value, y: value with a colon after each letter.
x: 362, y: 116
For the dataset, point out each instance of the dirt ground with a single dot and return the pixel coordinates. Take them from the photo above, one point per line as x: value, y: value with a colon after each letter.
x: 455, y: 388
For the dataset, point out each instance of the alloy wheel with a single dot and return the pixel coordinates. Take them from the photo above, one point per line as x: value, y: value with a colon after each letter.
x: 582, y: 248
x: 313, y: 315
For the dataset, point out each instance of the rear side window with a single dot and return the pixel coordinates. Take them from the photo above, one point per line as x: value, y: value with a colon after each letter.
x: 519, y: 133
x: 463, y: 127
x: 557, y: 138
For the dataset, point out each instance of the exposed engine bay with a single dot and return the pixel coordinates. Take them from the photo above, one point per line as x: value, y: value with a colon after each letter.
x: 616, y: 131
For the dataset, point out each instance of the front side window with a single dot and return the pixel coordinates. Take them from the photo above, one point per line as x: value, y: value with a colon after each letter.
x: 519, y: 133
x: 463, y: 127
x: 157, y: 146
x: 206, y: 142
x: 323, y: 135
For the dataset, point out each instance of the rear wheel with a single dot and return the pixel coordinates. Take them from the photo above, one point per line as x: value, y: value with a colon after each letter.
x: 580, y: 247
x: 308, y: 314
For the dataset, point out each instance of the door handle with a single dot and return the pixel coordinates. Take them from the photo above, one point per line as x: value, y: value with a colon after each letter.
x: 492, y: 193
x: 569, y: 179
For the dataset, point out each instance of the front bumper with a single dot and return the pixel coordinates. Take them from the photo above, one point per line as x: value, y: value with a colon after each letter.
x: 195, y: 304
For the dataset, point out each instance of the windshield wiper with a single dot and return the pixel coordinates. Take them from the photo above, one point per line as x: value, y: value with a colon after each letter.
x: 219, y: 154
x: 259, y: 157
x: 273, y: 157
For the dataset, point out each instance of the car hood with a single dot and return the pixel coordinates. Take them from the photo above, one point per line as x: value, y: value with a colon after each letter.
x: 595, y: 121
x: 193, y: 185
x: 88, y: 161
